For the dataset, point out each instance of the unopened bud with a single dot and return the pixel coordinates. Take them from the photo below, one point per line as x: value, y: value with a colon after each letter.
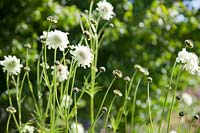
x: 11, y: 110
x: 178, y: 98
x: 117, y: 73
x: 127, y: 78
x: 27, y: 69
x: 117, y: 92
x: 93, y: 21
x: 181, y: 114
x: 189, y: 43
x: 76, y: 90
x: 104, y: 109
x: 87, y: 34
x: 149, y: 79
x: 52, y: 19
x: 27, y: 45
x: 102, y: 69
x: 196, y: 117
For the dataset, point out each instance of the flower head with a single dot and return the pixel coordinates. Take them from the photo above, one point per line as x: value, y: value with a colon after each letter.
x: 187, y: 98
x: 66, y: 101
x: 83, y: 55
x: 11, y: 64
x: 80, y: 128
x: 56, y: 39
x: 172, y: 131
x: 189, y: 59
x: 105, y: 9
x: 61, y: 72
x: 28, y: 129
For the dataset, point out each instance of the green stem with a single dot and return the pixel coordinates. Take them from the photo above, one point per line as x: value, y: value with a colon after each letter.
x: 111, y: 104
x: 190, y: 127
x: 179, y: 125
x: 173, y: 100
x: 149, y: 104
x: 8, y: 122
x: 166, y: 97
x: 133, y: 106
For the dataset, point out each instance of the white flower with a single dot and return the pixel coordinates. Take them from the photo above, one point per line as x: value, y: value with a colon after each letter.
x: 83, y: 55
x: 189, y: 59
x: 66, y: 101
x: 80, y: 128
x: 28, y: 129
x: 187, y: 98
x: 105, y: 9
x: 61, y: 72
x: 11, y: 64
x: 56, y: 39
x: 172, y: 131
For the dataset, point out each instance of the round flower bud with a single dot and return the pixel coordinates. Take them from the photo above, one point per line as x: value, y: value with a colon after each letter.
x: 110, y: 126
x: 117, y: 73
x: 52, y: 19
x: 127, y: 78
x: 27, y: 69
x: 149, y: 79
x: 117, y: 92
x: 87, y: 34
x: 11, y: 110
x: 27, y: 45
x: 111, y: 25
x: 196, y: 117
x: 141, y: 69
x: 76, y: 90
x: 189, y: 43
x: 181, y: 114
x: 104, y: 109
x: 178, y: 98
x: 102, y: 69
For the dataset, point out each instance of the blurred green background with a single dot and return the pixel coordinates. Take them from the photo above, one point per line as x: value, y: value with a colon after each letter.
x: 149, y: 33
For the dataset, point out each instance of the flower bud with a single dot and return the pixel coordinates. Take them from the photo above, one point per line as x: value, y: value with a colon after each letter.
x: 178, y: 98
x: 149, y: 79
x: 117, y: 92
x: 189, y: 43
x: 27, y: 69
x: 76, y: 90
x: 104, y: 110
x: 181, y: 114
x: 52, y: 19
x: 11, y: 110
x: 141, y: 69
x: 27, y: 45
x: 196, y: 117
x: 87, y: 34
x: 110, y: 126
x: 102, y: 69
x: 127, y: 78
x: 117, y: 73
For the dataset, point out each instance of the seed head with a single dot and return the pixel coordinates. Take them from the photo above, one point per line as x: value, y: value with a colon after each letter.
x: 117, y: 73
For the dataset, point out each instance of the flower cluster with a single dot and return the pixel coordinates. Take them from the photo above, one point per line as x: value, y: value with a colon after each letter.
x: 83, y: 55
x: 28, y: 129
x: 56, y: 39
x: 190, y: 61
x: 105, y: 9
x: 77, y: 128
x: 11, y: 64
x: 61, y: 72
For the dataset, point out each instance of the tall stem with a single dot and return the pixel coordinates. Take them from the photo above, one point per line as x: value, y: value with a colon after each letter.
x: 166, y: 97
x: 133, y: 106
x: 149, y: 105
x: 173, y: 100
